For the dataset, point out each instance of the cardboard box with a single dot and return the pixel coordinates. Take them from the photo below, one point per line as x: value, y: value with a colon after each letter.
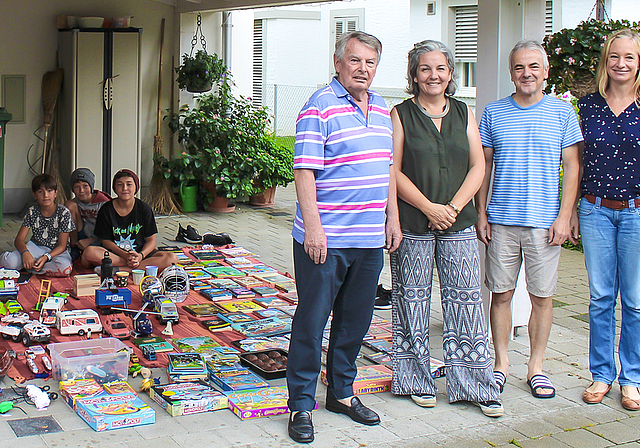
x: 85, y: 284
x: 115, y: 411
x: 188, y: 398
x: 369, y: 380
x: 71, y: 390
x: 259, y: 403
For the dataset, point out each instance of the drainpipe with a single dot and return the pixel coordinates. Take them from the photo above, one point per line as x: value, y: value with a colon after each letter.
x: 226, y: 38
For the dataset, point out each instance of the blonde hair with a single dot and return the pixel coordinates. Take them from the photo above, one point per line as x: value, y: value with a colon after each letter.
x: 602, y: 77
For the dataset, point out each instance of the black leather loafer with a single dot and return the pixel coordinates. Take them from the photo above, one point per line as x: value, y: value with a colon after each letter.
x: 357, y: 411
x: 301, y: 427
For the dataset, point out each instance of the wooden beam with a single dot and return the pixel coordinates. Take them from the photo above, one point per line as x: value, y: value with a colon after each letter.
x: 229, y: 5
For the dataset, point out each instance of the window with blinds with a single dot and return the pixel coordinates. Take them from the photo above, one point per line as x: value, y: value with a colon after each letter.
x: 466, y: 33
x: 258, y: 71
x: 344, y: 25
x: 548, y: 18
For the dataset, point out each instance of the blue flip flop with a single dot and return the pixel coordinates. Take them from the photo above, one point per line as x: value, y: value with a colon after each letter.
x: 541, y: 381
x: 501, y: 379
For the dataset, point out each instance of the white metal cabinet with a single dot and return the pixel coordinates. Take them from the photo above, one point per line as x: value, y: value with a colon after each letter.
x: 100, y: 128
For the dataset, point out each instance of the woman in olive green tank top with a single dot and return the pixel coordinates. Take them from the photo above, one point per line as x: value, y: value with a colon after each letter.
x: 439, y: 165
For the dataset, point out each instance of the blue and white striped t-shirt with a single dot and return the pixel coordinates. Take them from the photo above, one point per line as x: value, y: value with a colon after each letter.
x: 527, y: 147
x: 351, y: 155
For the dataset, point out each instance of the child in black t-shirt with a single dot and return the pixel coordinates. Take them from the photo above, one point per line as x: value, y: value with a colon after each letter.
x: 128, y: 230
x: 50, y: 223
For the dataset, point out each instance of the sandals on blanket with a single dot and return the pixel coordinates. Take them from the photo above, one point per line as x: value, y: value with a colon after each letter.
x: 538, y: 382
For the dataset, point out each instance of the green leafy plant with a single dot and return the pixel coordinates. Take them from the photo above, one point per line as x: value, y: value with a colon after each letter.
x: 227, y: 143
x: 574, y: 54
x: 200, y: 72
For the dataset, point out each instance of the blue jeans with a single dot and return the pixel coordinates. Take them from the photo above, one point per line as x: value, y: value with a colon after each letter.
x: 611, y: 240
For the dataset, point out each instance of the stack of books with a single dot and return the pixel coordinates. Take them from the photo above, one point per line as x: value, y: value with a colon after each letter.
x: 186, y: 367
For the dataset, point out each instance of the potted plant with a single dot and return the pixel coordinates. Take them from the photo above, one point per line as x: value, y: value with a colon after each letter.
x: 278, y: 170
x: 227, y: 145
x: 198, y: 74
x: 574, y: 54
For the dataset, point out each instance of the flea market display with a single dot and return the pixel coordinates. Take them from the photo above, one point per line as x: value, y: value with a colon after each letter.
x: 217, y: 323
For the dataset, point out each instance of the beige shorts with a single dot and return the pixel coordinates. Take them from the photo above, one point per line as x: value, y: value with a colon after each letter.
x: 504, y: 256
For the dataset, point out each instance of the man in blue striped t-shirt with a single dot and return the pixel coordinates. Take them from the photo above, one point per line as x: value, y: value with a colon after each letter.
x: 526, y: 137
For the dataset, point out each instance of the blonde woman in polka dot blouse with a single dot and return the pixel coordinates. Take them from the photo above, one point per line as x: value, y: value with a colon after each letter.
x: 609, y: 216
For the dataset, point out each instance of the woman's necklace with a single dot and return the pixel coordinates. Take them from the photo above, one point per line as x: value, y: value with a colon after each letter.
x: 424, y: 110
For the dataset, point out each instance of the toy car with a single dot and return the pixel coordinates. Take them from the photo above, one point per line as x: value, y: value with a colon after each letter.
x: 19, y: 319
x: 34, y: 331
x: 149, y: 352
x: 115, y: 325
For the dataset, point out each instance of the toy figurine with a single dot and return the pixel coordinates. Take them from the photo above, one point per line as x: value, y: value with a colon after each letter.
x: 147, y: 382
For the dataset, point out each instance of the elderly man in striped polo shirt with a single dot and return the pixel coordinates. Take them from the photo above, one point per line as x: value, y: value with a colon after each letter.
x: 526, y: 136
x: 346, y: 213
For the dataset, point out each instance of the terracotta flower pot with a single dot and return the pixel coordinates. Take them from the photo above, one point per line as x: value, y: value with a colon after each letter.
x: 264, y: 199
x: 219, y: 204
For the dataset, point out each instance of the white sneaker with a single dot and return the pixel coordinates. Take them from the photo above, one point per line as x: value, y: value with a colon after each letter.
x: 426, y: 401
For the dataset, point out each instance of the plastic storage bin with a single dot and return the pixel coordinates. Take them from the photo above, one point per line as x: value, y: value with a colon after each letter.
x: 104, y: 360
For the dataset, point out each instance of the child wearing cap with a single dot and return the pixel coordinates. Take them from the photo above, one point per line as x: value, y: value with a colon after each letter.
x: 128, y: 229
x: 84, y: 209
x: 46, y: 253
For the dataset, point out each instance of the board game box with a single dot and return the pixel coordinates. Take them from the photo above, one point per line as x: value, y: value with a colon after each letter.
x: 369, y: 380
x: 235, y: 379
x: 71, y: 390
x: 188, y: 398
x: 108, y: 412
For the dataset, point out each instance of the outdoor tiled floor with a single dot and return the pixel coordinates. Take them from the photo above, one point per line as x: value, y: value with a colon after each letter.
x: 564, y: 421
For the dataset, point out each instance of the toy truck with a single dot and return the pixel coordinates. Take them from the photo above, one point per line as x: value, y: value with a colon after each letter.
x: 78, y: 322
x: 18, y: 326
x: 8, y: 289
x: 50, y: 307
x: 166, y: 309
x: 106, y: 298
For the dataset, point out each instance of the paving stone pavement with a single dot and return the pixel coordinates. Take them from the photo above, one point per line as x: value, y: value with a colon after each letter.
x: 564, y: 421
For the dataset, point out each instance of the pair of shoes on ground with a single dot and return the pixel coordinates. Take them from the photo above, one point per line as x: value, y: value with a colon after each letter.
x: 191, y: 236
x: 300, y: 426
x: 383, y: 299
x: 491, y: 408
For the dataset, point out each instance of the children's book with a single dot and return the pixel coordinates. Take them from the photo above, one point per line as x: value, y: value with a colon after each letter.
x: 273, y: 277
x: 202, y: 309
x: 189, y: 362
x: 236, y: 252
x: 265, y: 291
x: 271, y: 302
x: 197, y: 285
x: 158, y: 344
x: 274, y: 312
x: 271, y: 326
x: 289, y: 309
x: 215, y: 323
x: 240, y: 262
x: 248, y: 281
x: 198, y: 274
x: 224, y: 272
x: 210, y: 254
x: 262, y: 343
x: 235, y: 317
x: 240, y: 292
x: 239, y: 305
x: 380, y: 345
x: 215, y: 294
x: 203, y: 345
x: 188, y: 398
x: 224, y: 283
x: 287, y: 287
x: 258, y: 268
x: 235, y: 379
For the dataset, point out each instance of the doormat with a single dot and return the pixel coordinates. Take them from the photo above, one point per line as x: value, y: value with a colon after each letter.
x: 34, y: 426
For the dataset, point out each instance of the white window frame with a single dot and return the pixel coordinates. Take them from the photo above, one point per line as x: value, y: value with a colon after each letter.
x: 449, y: 38
x: 343, y: 15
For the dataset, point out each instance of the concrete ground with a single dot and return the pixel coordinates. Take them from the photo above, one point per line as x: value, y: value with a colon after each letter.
x: 564, y: 421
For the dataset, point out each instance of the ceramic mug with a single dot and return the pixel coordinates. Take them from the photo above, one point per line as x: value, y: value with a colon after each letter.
x: 122, y: 279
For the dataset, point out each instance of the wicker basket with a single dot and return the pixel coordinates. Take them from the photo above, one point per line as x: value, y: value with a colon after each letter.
x: 90, y: 22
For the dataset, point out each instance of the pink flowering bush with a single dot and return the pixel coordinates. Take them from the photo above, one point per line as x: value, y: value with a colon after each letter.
x: 574, y: 55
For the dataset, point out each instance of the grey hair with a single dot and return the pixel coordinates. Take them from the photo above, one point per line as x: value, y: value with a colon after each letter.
x: 529, y: 45
x: 367, y: 39
x: 427, y: 46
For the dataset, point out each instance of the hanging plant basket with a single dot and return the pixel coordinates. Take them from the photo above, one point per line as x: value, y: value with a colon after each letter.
x: 194, y: 88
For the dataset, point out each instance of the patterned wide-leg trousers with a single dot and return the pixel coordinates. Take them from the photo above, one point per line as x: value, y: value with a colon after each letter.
x: 465, y: 340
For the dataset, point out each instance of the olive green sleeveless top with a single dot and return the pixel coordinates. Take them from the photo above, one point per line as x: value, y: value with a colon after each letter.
x: 437, y: 162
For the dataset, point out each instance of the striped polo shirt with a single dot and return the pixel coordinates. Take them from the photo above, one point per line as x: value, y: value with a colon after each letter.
x: 350, y: 155
x: 527, y: 147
